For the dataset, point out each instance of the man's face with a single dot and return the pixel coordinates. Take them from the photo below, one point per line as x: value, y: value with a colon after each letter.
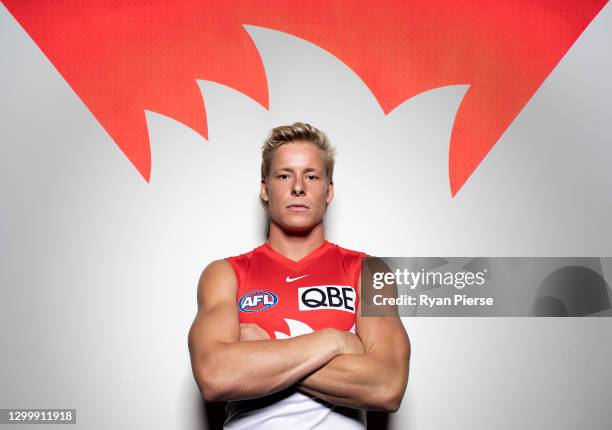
x: 297, y: 189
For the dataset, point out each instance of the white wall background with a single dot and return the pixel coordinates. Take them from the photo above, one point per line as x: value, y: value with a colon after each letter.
x: 98, y: 268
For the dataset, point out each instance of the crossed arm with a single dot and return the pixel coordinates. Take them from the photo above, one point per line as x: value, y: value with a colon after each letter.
x: 369, y: 371
x: 375, y: 379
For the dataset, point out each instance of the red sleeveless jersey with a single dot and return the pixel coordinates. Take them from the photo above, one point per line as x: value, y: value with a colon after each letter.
x: 289, y: 298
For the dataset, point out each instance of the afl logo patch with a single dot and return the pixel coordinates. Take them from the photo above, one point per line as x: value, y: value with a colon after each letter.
x: 255, y: 301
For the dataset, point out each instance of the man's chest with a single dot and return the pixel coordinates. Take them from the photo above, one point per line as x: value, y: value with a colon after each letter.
x: 287, y: 303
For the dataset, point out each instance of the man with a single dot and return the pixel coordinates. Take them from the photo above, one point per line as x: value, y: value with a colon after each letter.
x: 275, y: 330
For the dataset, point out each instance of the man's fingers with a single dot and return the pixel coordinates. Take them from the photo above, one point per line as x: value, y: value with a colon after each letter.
x: 250, y: 331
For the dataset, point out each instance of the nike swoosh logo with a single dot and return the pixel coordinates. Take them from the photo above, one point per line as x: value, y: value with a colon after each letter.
x: 289, y: 279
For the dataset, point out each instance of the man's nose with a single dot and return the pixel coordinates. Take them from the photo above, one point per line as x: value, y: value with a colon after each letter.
x: 297, y: 189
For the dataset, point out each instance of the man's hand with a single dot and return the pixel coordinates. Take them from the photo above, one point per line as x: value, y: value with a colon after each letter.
x: 351, y: 343
x: 250, y: 331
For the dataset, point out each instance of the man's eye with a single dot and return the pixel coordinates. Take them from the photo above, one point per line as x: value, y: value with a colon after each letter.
x: 312, y: 177
x: 283, y: 176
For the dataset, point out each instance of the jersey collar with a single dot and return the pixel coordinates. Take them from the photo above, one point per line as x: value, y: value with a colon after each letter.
x: 286, y: 261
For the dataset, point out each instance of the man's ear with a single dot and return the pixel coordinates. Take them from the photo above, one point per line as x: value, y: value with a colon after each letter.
x: 330, y: 192
x: 263, y: 190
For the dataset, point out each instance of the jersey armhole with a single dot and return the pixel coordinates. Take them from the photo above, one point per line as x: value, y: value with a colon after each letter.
x: 236, y: 268
x: 357, y: 269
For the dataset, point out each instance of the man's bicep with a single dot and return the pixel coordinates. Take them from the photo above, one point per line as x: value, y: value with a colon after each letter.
x: 382, y: 336
x: 217, y: 317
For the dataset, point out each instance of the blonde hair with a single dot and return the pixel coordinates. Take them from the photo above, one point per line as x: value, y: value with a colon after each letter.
x: 298, y: 131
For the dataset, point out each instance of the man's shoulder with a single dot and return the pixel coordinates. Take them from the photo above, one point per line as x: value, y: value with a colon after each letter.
x: 247, y: 255
x: 241, y: 262
x: 347, y: 252
x: 216, y: 268
x: 351, y: 261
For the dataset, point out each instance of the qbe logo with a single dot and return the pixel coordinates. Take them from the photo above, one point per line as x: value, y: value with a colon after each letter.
x: 337, y: 297
x: 255, y: 301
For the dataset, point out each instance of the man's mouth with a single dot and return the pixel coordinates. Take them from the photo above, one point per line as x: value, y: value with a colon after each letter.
x: 297, y: 207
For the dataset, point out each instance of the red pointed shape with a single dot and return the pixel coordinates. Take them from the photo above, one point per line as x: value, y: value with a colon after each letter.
x: 122, y: 58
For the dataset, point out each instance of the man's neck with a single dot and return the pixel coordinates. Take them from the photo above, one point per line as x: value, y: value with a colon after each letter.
x: 295, y: 247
